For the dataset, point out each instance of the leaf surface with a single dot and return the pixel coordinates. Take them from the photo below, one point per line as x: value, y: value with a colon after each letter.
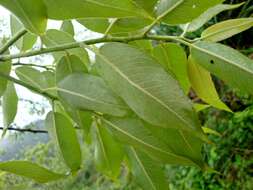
x: 183, y: 11
x: 147, y: 172
x: 173, y: 58
x: 146, y: 87
x: 66, y: 138
x: 203, y: 85
x: 108, y: 153
x: 226, y: 29
x: 64, y: 9
x: 226, y: 63
x: 31, y: 13
x: 88, y: 92
x: 30, y: 170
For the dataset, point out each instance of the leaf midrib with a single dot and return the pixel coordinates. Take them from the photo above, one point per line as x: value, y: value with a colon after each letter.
x: 143, y: 90
x: 221, y: 58
x: 142, y: 142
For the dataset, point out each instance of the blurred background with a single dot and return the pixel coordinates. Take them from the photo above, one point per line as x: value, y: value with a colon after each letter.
x: 231, y: 154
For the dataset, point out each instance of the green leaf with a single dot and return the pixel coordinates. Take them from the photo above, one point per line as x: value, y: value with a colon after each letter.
x: 133, y: 132
x: 69, y: 64
x: 200, y: 107
x: 183, y: 11
x: 145, y: 45
x: 10, y: 105
x: 108, y: 153
x: 209, y: 14
x: 226, y: 63
x: 31, y: 13
x: 87, y: 92
x: 149, y: 5
x: 45, y: 81
x: 203, y: 85
x: 68, y: 27
x: 147, y: 172
x: 64, y: 9
x: 211, y: 131
x: 120, y: 26
x: 30, y: 170
x: 173, y: 58
x: 27, y: 41
x: 56, y: 37
x: 5, y: 68
x: 147, y: 89
x: 226, y: 29
x: 66, y: 138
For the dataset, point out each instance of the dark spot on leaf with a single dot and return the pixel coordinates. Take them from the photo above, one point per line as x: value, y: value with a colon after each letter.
x: 212, y: 61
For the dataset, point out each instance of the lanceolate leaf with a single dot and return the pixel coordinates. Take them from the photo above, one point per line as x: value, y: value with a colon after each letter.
x: 65, y: 9
x: 133, y: 132
x: 149, y: 5
x: 226, y: 29
x: 66, y: 138
x: 10, y: 104
x: 31, y: 13
x: 68, y: 27
x: 68, y: 65
x: 226, y: 63
x: 27, y: 41
x: 88, y: 92
x: 108, y: 153
x: 56, y: 37
x: 209, y: 14
x: 118, y: 26
x: 146, y: 87
x: 5, y: 68
x: 148, y: 173
x: 203, y: 85
x: 173, y: 58
x: 30, y: 170
x: 44, y: 81
x: 183, y: 11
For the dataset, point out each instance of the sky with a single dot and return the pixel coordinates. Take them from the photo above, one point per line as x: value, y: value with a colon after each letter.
x: 24, y: 117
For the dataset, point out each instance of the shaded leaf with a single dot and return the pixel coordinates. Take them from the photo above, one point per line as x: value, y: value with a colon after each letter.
x: 69, y: 64
x: 56, y: 37
x: 108, y: 153
x: 45, y: 81
x: 30, y: 170
x: 209, y: 14
x: 10, y: 105
x: 183, y: 11
x: 64, y: 9
x: 203, y: 85
x: 66, y: 138
x: 226, y: 63
x: 173, y: 58
x: 148, y: 90
x: 5, y: 68
x: 88, y: 92
x: 68, y: 27
x: 31, y: 13
x: 147, y: 172
x: 27, y: 41
x: 120, y: 26
x: 226, y: 29
x: 133, y: 132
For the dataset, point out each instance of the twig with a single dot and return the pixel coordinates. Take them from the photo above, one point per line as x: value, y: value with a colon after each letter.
x: 24, y: 130
x: 15, y: 38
